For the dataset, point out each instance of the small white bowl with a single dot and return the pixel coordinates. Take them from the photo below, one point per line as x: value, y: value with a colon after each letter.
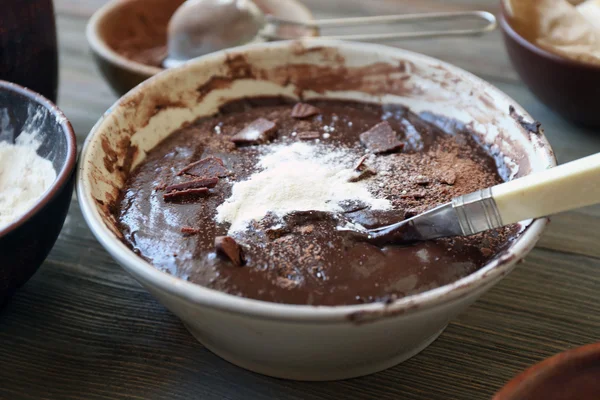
x: 295, y: 341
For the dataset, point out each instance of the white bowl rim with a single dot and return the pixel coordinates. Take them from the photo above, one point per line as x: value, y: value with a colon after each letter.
x: 210, y: 298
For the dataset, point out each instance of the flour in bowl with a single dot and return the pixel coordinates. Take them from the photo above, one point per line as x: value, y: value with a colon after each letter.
x: 24, y: 177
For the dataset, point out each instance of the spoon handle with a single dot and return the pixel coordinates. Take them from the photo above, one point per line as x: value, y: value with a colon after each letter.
x: 569, y: 186
x: 274, y: 23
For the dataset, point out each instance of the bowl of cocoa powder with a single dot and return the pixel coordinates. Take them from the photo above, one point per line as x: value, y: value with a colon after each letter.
x: 128, y: 38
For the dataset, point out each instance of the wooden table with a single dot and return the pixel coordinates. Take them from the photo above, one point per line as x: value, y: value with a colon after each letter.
x: 83, y: 329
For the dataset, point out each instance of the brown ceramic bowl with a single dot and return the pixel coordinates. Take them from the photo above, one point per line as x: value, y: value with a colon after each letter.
x: 569, y: 87
x: 120, y: 21
x: 572, y: 375
x: 25, y: 243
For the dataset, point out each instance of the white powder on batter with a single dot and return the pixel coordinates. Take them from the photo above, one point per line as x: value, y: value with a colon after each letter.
x: 296, y: 177
x: 24, y: 177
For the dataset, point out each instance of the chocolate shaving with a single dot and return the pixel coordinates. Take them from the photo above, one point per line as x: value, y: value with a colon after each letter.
x: 188, y: 230
x: 486, y: 252
x: 448, y: 177
x: 534, y: 127
x: 381, y: 139
x: 286, y: 283
x: 195, y: 184
x: 359, y: 165
x: 303, y: 110
x: 227, y: 247
x: 188, y: 194
x: 306, y: 230
x: 161, y: 186
x: 422, y: 180
x: 209, y: 167
x: 310, y: 135
x: 414, y: 195
x: 274, y: 233
x: 364, y: 174
x: 257, y: 132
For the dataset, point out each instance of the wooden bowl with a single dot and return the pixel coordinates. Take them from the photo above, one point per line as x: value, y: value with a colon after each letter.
x: 572, y: 375
x: 571, y: 88
x: 119, y: 21
x: 25, y: 243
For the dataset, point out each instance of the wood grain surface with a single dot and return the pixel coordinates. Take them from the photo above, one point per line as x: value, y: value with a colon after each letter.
x: 83, y: 329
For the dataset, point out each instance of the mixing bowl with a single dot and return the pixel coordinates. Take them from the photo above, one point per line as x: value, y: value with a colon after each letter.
x: 299, y: 341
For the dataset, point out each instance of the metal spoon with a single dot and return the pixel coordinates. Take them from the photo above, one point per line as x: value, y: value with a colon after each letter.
x: 569, y: 186
x: 200, y: 27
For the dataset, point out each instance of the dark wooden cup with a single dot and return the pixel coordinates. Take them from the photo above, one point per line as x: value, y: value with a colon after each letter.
x: 28, y: 52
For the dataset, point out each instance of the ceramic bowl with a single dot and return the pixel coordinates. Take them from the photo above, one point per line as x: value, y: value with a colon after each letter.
x: 572, y: 375
x: 105, y: 30
x: 25, y: 243
x: 292, y: 341
x: 569, y: 87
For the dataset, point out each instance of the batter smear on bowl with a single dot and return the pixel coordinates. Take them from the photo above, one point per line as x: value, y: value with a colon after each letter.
x: 262, y: 199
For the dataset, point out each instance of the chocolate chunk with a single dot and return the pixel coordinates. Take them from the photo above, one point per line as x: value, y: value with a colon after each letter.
x: 258, y: 131
x: 310, y: 135
x: 188, y: 230
x: 448, y: 177
x: 209, y: 167
x: 182, y: 195
x: 533, y: 127
x: 303, y: 110
x: 381, y: 139
x: 227, y: 247
x: 195, y: 184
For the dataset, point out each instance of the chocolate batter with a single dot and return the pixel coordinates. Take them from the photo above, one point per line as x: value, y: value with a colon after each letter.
x: 303, y: 258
